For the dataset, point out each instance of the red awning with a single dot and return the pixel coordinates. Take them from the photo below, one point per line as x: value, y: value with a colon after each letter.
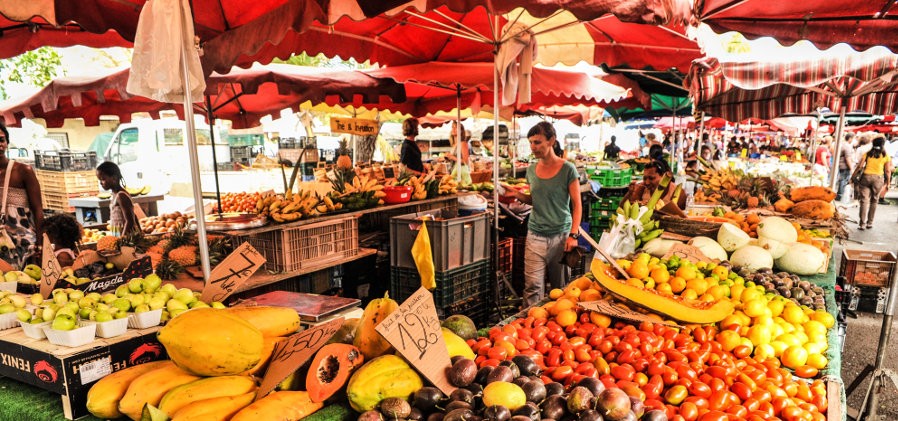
x: 736, y: 91
x: 861, y: 24
x: 242, y: 96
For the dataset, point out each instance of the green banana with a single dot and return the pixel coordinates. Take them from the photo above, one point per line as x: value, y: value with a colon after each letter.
x: 634, y: 211
x: 652, y: 234
x: 647, y: 216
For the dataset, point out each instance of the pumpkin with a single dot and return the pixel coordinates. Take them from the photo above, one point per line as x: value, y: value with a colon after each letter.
x: 802, y: 259
x: 752, y: 258
x: 801, y: 194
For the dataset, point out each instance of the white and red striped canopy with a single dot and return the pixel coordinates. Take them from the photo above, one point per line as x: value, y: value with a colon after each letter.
x: 865, y: 81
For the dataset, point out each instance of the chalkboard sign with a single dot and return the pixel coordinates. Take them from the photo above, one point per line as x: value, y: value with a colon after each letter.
x: 389, y: 172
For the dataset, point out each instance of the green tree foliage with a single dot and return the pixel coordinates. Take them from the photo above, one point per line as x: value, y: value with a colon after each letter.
x: 737, y: 44
x: 320, y: 60
x: 36, y: 68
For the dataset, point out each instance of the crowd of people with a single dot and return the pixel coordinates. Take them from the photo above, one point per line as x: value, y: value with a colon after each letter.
x: 23, y: 217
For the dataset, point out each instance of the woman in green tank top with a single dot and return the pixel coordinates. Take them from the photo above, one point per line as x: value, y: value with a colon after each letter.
x: 554, y: 222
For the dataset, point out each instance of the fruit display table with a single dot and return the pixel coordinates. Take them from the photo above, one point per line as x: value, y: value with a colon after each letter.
x: 94, y: 209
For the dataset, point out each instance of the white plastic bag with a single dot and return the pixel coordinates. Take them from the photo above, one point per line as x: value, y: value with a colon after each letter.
x: 621, y: 239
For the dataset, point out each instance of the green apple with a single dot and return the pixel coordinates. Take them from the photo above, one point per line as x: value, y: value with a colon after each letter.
x: 123, y: 304
x: 94, y: 296
x: 143, y: 308
x: 121, y: 290
x: 4, y: 294
x: 198, y: 304
x: 23, y: 315
x: 72, y: 305
x: 169, y: 288
x: 93, y: 315
x: 7, y: 308
x: 68, y: 290
x: 86, y: 302
x: 48, y: 313
x: 66, y: 311
x: 36, y: 299
x: 109, y: 298
x: 184, y: 295
x: 76, y: 295
x: 162, y: 294
x: 60, y: 298
x: 103, y: 316
x: 63, y: 322
x: 18, y: 301
x: 152, y: 282
x: 217, y: 304
x: 166, y: 316
x: 101, y: 307
x: 32, y: 270
x: 81, y: 281
x: 156, y: 303
x: 11, y: 276
x: 120, y: 315
x: 174, y: 304
x: 35, y: 320
x: 84, y: 312
x: 136, y: 299
x: 135, y: 285
x: 176, y: 313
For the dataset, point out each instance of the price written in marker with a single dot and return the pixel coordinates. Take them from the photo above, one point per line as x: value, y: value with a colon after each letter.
x: 292, y: 353
x: 685, y: 251
x: 232, y: 272
x: 414, y: 330
x: 51, y: 270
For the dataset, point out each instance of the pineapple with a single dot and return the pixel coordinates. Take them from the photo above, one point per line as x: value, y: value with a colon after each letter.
x: 179, y: 237
x: 137, y: 240
x: 184, y: 255
x: 343, y: 160
x: 168, y: 270
x: 108, y: 242
x: 219, y: 248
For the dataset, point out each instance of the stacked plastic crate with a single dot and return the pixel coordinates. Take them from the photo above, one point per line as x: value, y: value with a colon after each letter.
x: 614, y: 182
x: 461, y: 256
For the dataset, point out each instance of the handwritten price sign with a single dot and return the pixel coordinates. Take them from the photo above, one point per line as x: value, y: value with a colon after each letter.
x: 609, y: 308
x: 414, y: 330
x: 685, y: 251
x: 51, y: 271
x: 232, y: 272
x: 290, y: 354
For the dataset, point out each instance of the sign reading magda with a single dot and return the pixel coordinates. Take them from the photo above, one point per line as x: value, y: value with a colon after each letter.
x: 354, y: 126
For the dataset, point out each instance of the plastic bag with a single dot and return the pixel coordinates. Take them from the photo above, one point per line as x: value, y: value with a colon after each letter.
x: 465, y: 173
x: 621, y: 239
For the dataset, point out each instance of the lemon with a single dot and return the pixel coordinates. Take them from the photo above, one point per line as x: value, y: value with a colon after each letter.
x: 664, y: 289
x: 794, y: 357
x: 764, y: 351
x: 759, y: 334
x: 815, y: 347
x: 776, y: 307
x: 778, y: 347
x: 754, y: 307
x: 728, y: 339
x: 817, y: 361
x: 788, y: 339
x: 794, y: 314
x: 556, y: 293
x: 750, y: 294
x: 823, y: 317
x: 506, y: 394
x: 697, y: 285
x: 813, y: 328
x: 689, y: 294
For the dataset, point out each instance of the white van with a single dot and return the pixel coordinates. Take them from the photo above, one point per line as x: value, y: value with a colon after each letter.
x: 154, y: 152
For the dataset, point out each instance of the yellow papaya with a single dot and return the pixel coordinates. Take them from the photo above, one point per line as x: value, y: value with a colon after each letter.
x: 369, y: 341
x: 387, y: 376
x: 214, y: 409
x: 150, y: 387
x: 456, y: 345
x: 689, y: 311
x: 104, y: 396
x: 268, y: 344
x: 281, y: 406
x: 346, y: 333
x: 270, y: 320
x: 212, y: 342
x: 207, y: 388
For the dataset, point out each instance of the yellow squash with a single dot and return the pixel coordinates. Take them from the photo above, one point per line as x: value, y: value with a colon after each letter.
x: 104, y: 396
x: 387, y: 376
x: 281, y: 406
x: 369, y: 341
x: 212, y: 342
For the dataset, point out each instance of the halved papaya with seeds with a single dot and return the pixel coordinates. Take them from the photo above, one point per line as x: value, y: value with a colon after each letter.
x: 330, y: 370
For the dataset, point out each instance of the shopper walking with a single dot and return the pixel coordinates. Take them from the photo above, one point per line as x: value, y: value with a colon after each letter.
x: 846, y: 164
x: 554, y: 222
x: 22, y: 214
x: 876, y: 167
x: 122, y: 219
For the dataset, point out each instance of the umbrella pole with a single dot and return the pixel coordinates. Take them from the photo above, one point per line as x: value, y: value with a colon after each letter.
x: 211, y: 118
x: 701, y: 136
x: 834, y: 170
x: 195, y: 169
x: 495, y: 237
x: 460, y: 134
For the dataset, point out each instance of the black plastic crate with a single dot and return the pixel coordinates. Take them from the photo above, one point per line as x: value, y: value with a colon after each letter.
x: 477, y: 309
x: 470, y: 281
x: 613, y: 192
x: 868, y: 299
x: 301, y: 142
x: 65, y: 160
x: 506, y: 260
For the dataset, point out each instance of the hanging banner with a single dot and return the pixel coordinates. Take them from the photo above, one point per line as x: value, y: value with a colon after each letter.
x: 354, y: 126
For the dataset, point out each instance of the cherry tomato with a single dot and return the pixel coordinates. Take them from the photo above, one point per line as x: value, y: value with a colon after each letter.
x: 653, y: 387
x: 581, y: 353
x: 586, y: 369
x: 742, y: 390
x: 806, y: 371
x: 699, y: 402
x: 623, y: 372
x: 718, y: 400
x: 561, y: 373
x: 713, y: 415
x: 688, y: 411
x: 701, y: 389
x: 553, y: 357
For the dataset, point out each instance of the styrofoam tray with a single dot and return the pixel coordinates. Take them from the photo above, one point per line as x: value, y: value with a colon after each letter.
x: 9, y: 286
x: 34, y: 331
x: 8, y: 321
x: 145, y: 320
x: 109, y: 329
x: 76, y: 337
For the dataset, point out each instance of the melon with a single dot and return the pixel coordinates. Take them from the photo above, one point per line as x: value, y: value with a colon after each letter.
x: 731, y: 237
x: 752, y: 258
x: 802, y: 259
x: 659, y: 247
x: 709, y: 248
x: 776, y: 228
x: 461, y: 325
x: 776, y: 248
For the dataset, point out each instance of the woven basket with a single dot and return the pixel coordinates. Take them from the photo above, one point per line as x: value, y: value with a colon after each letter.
x: 689, y: 227
x: 481, y: 176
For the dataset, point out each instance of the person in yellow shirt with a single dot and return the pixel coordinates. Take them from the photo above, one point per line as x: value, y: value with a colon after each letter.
x: 877, y: 169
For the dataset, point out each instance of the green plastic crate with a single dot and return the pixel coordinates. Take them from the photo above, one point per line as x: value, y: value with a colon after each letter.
x: 611, y: 177
x: 606, y: 203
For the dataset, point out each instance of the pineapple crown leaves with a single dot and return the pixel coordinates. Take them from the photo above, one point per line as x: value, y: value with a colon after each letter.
x: 135, y: 239
x: 179, y: 237
x: 168, y: 269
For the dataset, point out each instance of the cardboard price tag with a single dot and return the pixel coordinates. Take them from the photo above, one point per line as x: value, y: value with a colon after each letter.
x: 292, y: 353
x: 232, y: 272
x: 51, y: 271
x: 617, y: 310
x: 685, y: 251
x: 414, y: 330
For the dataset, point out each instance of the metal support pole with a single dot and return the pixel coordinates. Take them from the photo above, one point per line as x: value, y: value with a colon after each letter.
x: 211, y: 116
x: 834, y: 171
x: 195, y: 169
x: 871, y: 398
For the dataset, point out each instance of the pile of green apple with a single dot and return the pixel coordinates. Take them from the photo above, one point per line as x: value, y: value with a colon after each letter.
x: 11, y: 302
x: 139, y: 295
x: 29, y: 275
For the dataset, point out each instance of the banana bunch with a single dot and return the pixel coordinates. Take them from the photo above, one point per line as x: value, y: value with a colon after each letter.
x: 650, y: 227
x: 718, y: 180
x: 362, y: 185
x: 448, y: 185
x: 303, y: 204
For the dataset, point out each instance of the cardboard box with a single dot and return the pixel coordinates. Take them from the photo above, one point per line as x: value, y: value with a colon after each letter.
x: 70, y: 372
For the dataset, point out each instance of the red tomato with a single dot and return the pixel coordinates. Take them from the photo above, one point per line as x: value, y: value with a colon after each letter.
x: 553, y: 357
x: 653, y: 387
x: 700, y: 389
x: 581, y: 353
x: 498, y: 353
x: 742, y: 390
x: 543, y: 346
x: 718, y: 400
x: 700, y: 402
x: 741, y: 351
x: 688, y: 411
x: 738, y: 411
x: 490, y: 362
x: 586, y: 369
x: 561, y: 373
x: 806, y: 371
x: 713, y: 416
x: 623, y: 372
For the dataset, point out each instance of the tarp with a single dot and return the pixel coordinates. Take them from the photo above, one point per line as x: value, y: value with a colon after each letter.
x: 242, y: 96
x: 860, y: 24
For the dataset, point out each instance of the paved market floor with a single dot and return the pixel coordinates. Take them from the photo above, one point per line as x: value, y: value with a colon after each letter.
x: 863, y: 332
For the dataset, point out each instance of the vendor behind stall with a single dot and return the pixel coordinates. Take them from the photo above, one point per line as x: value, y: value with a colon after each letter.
x: 651, y: 177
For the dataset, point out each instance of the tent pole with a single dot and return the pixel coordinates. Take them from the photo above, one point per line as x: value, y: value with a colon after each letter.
x: 199, y: 211
x: 460, y: 134
x: 211, y: 116
x: 834, y: 170
x: 701, y: 135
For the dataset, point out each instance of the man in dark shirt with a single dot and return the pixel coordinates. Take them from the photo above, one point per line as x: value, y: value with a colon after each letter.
x: 612, y: 150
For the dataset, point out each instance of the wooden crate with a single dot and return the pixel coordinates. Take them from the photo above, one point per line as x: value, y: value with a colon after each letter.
x: 58, y: 187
